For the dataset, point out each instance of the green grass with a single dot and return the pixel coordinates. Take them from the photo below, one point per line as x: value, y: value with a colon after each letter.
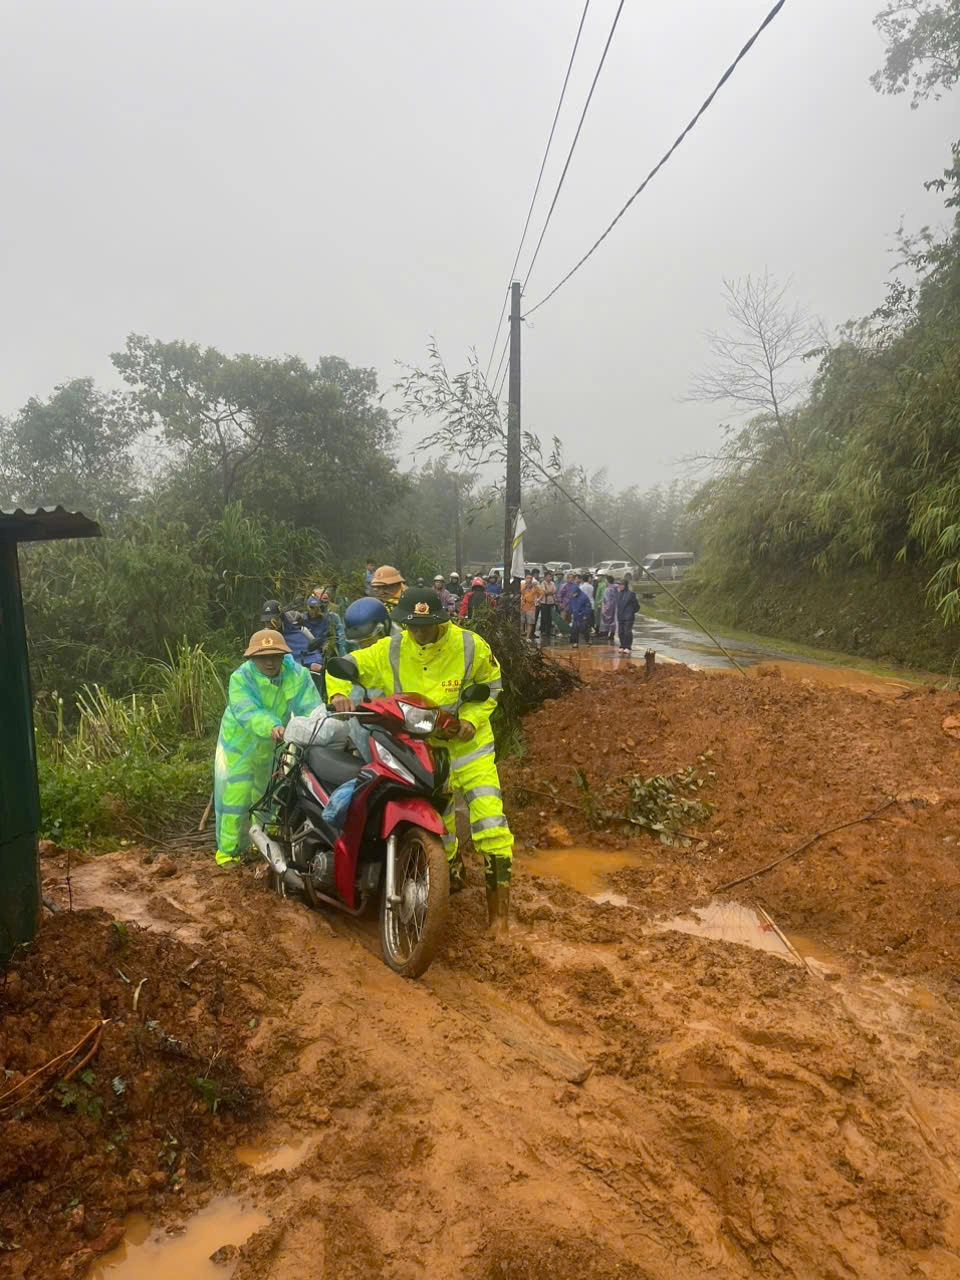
x: 123, y: 798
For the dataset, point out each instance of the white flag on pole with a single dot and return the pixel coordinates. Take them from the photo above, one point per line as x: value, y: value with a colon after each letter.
x: 517, y: 565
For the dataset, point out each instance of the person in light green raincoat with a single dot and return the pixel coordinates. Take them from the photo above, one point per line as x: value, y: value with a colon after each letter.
x: 265, y: 692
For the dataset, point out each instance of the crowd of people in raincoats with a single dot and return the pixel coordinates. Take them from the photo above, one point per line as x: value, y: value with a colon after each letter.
x: 604, y: 610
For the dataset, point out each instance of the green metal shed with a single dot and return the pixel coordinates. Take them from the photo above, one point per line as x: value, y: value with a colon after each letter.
x: 19, y: 796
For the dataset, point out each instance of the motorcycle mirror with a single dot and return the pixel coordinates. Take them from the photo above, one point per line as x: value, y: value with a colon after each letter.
x: 342, y: 668
x: 475, y: 693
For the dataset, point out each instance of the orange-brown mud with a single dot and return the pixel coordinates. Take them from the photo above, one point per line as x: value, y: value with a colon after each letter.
x: 595, y: 1097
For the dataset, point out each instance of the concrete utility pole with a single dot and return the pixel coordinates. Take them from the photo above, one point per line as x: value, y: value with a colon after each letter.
x: 458, y: 528
x: 512, y: 490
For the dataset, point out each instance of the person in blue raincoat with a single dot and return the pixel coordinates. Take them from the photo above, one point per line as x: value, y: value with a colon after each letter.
x: 265, y: 691
x: 580, y: 608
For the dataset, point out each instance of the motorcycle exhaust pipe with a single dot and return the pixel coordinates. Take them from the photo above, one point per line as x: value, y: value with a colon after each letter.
x: 274, y: 855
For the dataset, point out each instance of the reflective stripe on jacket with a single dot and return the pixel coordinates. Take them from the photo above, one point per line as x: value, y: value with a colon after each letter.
x: 439, y: 671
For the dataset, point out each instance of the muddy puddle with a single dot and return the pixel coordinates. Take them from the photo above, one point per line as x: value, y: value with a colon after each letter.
x: 148, y: 1253
x: 583, y: 869
x: 875, y: 999
x: 728, y: 922
x: 278, y: 1157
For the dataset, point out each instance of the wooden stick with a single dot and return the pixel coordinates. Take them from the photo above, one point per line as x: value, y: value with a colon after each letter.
x: 752, y: 875
x: 783, y: 937
x: 206, y: 814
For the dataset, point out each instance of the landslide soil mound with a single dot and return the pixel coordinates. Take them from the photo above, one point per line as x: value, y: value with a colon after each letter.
x: 583, y: 1100
x: 788, y: 759
x: 80, y: 1148
x: 592, y: 1097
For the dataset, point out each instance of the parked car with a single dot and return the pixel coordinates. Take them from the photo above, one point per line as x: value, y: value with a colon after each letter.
x: 669, y: 564
x: 558, y: 566
x: 617, y: 569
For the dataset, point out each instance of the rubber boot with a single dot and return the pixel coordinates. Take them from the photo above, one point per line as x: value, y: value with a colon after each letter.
x: 498, y: 909
x: 458, y: 872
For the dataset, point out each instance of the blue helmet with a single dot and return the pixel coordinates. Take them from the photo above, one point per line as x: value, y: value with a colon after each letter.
x: 366, y: 619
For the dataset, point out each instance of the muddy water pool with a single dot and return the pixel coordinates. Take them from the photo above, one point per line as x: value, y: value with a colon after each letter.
x: 148, y: 1253
x: 583, y: 869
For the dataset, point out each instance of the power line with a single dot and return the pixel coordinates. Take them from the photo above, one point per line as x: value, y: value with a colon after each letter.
x: 654, y: 171
x: 576, y: 137
x: 503, y: 353
x: 536, y: 189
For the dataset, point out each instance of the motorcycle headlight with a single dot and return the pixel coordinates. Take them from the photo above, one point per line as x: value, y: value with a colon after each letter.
x: 420, y: 720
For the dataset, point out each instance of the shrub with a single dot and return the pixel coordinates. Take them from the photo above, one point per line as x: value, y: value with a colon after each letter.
x: 123, y: 797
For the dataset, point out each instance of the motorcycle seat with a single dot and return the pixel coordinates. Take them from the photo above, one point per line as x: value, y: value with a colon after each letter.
x: 332, y: 765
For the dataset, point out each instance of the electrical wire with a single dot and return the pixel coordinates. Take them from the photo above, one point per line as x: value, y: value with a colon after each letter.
x: 506, y: 345
x: 536, y: 189
x: 654, y: 171
x: 576, y: 138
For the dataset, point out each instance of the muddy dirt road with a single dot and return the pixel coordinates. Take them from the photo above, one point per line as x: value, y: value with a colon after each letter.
x: 600, y: 1096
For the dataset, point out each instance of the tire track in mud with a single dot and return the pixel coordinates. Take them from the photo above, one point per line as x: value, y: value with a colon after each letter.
x: 737, y: 1121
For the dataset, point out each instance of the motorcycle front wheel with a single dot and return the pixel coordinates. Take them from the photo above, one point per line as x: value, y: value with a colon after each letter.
x: 410, y: 930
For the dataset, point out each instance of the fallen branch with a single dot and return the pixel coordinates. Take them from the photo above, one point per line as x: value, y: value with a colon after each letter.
x: 545, y: 795
x: 15, y: 1096
x: 146, y: 836
x: 78, y: 1066
x: 752, y: 875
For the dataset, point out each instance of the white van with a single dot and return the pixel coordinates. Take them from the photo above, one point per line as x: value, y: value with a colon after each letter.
x: 669, y: 564
x: 558, y: 566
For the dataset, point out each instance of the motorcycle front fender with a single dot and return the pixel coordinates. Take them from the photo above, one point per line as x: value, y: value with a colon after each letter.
x: 414, y: 809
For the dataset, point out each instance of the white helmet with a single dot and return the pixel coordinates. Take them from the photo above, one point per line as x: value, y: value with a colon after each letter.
x: 454, y: 576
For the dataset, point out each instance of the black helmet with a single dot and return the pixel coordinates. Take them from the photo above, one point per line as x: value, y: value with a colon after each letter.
x: 271, y: 609
x: 420, y: 606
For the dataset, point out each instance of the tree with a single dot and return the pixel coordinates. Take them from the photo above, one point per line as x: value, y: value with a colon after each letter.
x: 75, y: 448
x: 214, y: 409
x: 306, y: 443
x: 755, y: 364
x: 101, y: 609
x: 923, y: 48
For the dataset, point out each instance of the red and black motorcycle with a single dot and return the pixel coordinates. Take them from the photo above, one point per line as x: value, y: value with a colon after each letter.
x: 389, y: 849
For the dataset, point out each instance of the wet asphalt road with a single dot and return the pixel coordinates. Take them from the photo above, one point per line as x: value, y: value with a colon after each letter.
x: 683, y: 644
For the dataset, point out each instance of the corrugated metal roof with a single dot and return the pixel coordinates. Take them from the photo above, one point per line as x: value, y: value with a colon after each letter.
x: 46, y: 524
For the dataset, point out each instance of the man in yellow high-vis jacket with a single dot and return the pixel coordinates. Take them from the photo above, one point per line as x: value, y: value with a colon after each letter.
x: 436, y: 658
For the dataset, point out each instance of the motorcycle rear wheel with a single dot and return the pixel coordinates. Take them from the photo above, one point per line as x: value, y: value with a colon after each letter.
x: 410, y: 932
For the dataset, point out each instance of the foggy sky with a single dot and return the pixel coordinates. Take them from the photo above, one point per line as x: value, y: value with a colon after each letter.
x: 349, y: 178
